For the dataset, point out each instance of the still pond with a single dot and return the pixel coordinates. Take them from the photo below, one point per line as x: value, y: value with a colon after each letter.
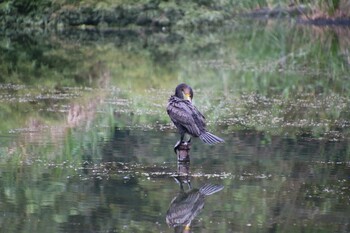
x: 86, y: 144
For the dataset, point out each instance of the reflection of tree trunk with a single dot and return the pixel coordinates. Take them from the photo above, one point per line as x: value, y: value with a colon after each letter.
x: 335, y: 39
x: 343, y: 34
x: 81, y: 111
x: 78, y: 113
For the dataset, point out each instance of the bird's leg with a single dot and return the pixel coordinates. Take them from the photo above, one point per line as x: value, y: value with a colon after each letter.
x: 182, y: 137
x: 185, y: 139
x: 177, y: 146
x: 189, y: 185
x: 178, y: 143
x: 178, y: 180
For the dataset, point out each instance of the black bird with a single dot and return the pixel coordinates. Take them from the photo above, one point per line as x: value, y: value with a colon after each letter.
x: 187, y: 205
x: 186, y: 117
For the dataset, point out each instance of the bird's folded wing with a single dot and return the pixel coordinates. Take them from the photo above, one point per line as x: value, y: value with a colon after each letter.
x: 181, y: 113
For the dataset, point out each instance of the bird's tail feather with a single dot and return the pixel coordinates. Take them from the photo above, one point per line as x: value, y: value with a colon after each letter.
x: 210, y: 138
x: 209, y: 189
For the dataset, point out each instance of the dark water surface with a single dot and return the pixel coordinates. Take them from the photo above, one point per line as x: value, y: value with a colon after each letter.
x: 86, y: 144
x: 283, y: 186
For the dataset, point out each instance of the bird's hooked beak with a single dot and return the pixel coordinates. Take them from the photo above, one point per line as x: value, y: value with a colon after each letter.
x: 187, y: 96
x: 187, y: 228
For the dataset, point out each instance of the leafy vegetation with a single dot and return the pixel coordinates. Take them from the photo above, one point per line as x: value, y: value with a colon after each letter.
x: 84, y: 129
x: 270, y: 69
x: 155, y: 14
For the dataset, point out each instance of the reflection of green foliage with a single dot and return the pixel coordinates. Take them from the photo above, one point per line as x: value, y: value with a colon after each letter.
x: 267, y: 78
x: 25, y: 59
x: 249, y: 75
x: 297, y: 83
x: 265, y: 186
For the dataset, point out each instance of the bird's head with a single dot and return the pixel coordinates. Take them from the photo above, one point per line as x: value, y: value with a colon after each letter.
x: 183, y: 91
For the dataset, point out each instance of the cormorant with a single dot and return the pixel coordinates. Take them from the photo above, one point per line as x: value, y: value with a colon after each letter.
x: 186, y: 117
x: 187, y: 205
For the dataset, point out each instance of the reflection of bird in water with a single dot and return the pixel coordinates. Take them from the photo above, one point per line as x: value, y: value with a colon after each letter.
x: 187, y: 205
x: 186, y: 117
